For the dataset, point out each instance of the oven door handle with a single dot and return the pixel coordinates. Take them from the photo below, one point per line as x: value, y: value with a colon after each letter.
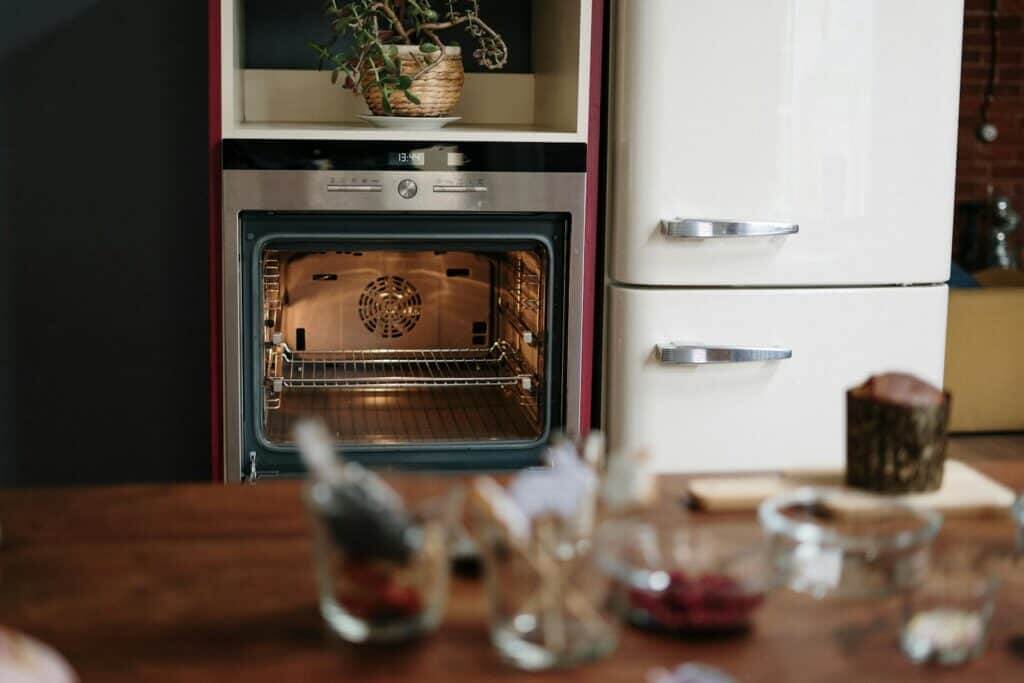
x: 699, y: 354
x: 703, y: 228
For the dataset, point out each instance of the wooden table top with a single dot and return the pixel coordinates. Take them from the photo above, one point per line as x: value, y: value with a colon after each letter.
x: 196, y: 582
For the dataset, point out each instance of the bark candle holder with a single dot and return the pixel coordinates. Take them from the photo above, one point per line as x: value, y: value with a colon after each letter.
x: 896, y: 434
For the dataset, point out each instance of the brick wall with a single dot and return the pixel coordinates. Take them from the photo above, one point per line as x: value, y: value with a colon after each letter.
x: 1000, y: 163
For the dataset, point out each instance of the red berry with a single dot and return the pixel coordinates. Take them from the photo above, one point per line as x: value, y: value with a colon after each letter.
x: 677, y: 576
x: 401, y: 600
x: 708, y: 602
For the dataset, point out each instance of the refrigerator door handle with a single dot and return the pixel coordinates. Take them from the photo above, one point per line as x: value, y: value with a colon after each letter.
x: 693, y: 354
x: 704, y: 228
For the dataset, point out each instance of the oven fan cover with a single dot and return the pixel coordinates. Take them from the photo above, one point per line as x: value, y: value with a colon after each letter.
x: 390, y: 306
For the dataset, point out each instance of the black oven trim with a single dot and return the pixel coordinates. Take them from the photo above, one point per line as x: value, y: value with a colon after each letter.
x: 479, y: 231
x: 379, y: 155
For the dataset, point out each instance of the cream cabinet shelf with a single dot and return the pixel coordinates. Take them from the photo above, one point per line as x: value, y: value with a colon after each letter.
x: 549, y: 105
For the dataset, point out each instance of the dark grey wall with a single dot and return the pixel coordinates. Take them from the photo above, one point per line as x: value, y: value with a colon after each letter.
x: 277, y: 33
x: 8, y: 461
x: 103, y: 191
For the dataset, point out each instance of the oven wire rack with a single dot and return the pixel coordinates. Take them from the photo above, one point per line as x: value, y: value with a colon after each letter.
x: 496, y: 366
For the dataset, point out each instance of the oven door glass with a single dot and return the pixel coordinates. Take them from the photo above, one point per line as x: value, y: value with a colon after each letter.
x: 418, y: 340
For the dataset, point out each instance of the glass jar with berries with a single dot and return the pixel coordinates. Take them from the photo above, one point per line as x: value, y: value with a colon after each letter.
x: 381, y: 576
x: 381, y: 565
x: 677, y: 577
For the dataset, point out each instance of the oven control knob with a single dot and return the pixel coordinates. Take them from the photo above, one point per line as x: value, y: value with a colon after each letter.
x: 407, y: 188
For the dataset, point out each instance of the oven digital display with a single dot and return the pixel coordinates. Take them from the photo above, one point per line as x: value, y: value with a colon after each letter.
x: 433, y: 158
x: 406, y: 159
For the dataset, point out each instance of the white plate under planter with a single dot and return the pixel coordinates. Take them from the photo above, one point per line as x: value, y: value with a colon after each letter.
x: 410, y: 122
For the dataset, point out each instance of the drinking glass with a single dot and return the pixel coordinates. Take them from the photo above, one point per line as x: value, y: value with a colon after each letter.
x: 549, y: 604
x: 946, y: 617
x: 368, y: 598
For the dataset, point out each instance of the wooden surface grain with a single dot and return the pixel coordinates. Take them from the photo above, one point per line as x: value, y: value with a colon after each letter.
x: 200, y: 582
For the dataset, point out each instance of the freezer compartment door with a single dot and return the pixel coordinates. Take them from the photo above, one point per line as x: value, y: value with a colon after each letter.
x: 783, y: 142
x: 725, y: 380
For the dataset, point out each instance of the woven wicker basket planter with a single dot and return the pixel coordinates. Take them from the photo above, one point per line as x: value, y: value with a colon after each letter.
x: 438, y: 90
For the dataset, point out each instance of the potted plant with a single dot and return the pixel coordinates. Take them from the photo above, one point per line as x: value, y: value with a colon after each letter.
x: 391, y: 53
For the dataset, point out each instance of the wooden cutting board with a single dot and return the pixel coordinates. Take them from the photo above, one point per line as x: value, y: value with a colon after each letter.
x: 965, y: 492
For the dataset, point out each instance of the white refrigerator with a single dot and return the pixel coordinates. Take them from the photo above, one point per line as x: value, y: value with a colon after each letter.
x: 780, y: 219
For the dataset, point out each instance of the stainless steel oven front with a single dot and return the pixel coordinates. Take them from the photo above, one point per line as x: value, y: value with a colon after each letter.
x: 423, y: 300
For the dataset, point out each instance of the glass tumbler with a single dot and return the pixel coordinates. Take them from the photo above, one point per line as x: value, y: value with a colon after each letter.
x: 368, y: 598
x: 1016, y: 576
x: 1018, y: 519
x: 946, y: 617
x: 857, y: 553
x: 549, y: 604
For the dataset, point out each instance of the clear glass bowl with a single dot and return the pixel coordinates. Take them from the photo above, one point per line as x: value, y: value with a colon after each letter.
x: 548, y: 603
x: 946, y: 617
x: 372, y: 599
x: 677, y: 578
x: 877, y: 552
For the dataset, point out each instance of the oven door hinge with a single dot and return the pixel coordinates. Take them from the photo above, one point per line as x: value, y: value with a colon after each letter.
x: 254, y: 473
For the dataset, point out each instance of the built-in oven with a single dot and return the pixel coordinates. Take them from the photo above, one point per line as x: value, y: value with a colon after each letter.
x: 422, y: 300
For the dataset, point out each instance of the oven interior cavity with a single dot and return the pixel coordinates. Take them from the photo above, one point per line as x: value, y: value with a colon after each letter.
x: 405, y: 346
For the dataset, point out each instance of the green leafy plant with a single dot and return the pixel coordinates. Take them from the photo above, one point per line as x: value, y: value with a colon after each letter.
x: 371, y: 30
